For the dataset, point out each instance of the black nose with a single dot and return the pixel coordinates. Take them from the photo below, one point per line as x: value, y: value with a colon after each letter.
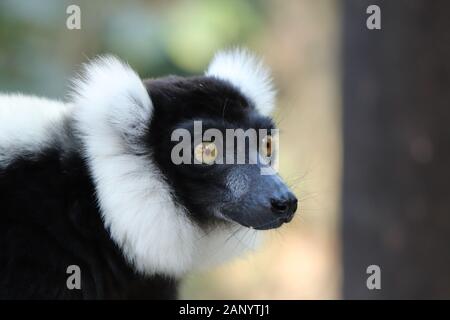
x: 284, y: 207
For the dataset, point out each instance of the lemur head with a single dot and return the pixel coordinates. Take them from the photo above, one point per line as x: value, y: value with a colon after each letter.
x: 176, y: 160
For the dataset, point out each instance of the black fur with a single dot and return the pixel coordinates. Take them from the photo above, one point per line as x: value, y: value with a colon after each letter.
x: 49, y: 220
x: 218, y: 105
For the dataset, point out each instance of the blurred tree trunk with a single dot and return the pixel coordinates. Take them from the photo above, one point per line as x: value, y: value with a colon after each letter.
x: 396, y: 120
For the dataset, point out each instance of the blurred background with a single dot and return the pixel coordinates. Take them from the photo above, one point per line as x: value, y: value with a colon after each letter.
x: 334, y: 91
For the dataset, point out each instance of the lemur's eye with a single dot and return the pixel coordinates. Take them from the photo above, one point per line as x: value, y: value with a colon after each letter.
x: 205, y: 152
x: 266, y: 147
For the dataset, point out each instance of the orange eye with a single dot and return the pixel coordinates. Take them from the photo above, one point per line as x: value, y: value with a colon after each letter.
x: 266, y: 147
x: 205, y: 152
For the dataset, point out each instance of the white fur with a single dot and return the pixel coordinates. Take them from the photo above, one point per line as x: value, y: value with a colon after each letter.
x: 112, y: 108
x: 28, y: 124
x: 247, y: 73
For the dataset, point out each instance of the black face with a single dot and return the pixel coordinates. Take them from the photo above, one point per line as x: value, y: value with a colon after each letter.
x: 218, y: 192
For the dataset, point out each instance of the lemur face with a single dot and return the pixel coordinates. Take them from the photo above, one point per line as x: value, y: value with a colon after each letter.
x: 158, y: 198
x: 222, y: 178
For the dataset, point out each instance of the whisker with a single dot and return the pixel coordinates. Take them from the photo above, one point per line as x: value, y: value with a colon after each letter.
x: 223, y: 110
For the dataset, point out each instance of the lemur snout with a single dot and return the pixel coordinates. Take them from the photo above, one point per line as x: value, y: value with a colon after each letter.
x: 284, y: 207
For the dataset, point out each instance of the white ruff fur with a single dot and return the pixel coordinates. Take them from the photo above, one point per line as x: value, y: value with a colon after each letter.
x: 247, y: 73
x: 28, y: 124
x: 112, y: 108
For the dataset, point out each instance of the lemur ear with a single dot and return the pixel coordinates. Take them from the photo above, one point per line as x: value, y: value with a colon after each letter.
x: 246, y: 72
x: 111, y: 101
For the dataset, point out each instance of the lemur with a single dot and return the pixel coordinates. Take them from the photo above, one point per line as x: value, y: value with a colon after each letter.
x: 91, y: 182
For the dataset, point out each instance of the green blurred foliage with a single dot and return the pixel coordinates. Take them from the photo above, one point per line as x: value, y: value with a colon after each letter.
x: 38, y: 53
